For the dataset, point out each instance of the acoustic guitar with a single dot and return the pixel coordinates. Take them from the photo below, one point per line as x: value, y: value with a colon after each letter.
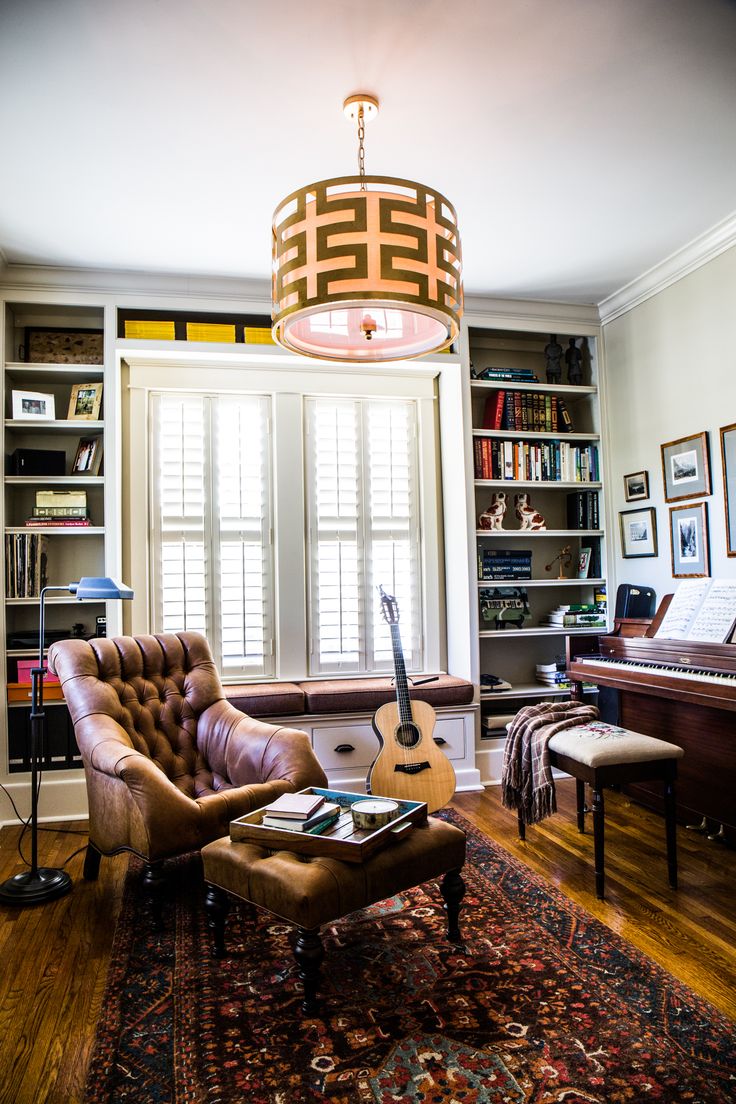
x: 409, y: 765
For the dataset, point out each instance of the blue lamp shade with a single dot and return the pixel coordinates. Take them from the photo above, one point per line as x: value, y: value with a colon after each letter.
x: 101, y: 589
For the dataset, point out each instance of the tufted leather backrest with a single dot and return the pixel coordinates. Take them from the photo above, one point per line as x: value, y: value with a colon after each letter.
x: 154, y: 687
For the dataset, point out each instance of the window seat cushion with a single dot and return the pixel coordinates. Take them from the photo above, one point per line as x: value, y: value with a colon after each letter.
x: 360, y: 695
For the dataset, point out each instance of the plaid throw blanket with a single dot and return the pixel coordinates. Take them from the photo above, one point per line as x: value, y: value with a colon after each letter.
x: 526, y: 783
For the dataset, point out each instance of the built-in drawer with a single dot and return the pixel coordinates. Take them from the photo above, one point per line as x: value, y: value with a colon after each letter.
x: 346, y: 746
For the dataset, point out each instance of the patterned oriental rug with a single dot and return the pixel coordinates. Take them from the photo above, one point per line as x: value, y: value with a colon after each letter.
x: 543, y: 1004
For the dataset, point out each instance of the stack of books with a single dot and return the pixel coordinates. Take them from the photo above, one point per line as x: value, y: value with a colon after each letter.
x: 577, y: 616
x: 59, y: 509
x: 496, y: 563
x: 517, y: 375
x: 553, y: 675
x: 299, y: 812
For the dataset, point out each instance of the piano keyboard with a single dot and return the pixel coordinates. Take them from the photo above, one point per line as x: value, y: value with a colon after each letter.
x: 630, y: 665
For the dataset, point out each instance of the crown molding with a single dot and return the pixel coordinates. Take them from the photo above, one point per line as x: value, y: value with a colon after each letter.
x: 683, y: 261
x: 530, y: 314
x: 129, y: 284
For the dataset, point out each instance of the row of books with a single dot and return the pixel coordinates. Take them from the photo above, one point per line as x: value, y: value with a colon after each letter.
x: 548, y: 461
x: 582, y: 510
x: 504, y: 563
x: 25, y: 564
x: 525, y: 411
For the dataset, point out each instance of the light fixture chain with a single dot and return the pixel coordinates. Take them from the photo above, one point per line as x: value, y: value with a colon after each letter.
x: 361, y: 147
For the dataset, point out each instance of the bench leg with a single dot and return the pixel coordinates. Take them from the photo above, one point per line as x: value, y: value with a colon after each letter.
x: 580, y: 798
x: 598, y: 845
x: 453, y: 891
x: 217, y: 906
x: 309, y: 952
x: 671, y: 831
x: 522, y: 826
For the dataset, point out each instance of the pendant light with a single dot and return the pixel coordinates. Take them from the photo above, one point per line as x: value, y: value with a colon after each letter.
x: 366, y: 268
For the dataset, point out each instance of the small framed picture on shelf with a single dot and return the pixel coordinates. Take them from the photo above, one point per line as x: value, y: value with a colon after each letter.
x: 584, y: 562
x: 728, y: 454
x: 89, y: 456
x: 686, y: 468
x: 85, y: 402
x: 689, y: 541
x: 33, y: 406
x: 636, y: 486
x: 638, y: 533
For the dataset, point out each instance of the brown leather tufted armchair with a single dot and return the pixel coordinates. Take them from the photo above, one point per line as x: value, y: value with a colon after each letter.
x: 168, y: 761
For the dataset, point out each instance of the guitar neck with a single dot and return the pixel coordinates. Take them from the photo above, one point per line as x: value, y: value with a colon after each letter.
x: 402, y: 685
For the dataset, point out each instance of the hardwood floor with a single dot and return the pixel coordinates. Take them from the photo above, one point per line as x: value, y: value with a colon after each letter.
x: 55, y: 956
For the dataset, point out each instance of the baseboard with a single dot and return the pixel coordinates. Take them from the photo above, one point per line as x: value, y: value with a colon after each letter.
x: 59, y: 799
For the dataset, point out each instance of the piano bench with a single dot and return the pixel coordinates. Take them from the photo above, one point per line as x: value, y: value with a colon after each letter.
x: 607, y: 755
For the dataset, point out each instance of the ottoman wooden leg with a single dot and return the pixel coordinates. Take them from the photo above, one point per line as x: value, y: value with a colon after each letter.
x: 91, y: 863
x: 217, y: 906
x: 309, y: 952
x: 156, y: 884
x: 453, y: 891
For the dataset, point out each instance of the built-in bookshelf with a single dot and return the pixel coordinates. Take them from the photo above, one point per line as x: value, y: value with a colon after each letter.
x: 541, y: 555
x: 54, y: 513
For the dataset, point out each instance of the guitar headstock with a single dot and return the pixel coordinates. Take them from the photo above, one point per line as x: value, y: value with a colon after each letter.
x: 389, y: 607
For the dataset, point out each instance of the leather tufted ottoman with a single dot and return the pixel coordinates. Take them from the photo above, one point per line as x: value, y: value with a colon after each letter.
x: 310, y: 891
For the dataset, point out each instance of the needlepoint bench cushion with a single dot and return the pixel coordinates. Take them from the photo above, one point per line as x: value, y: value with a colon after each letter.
x: 598, y: 744
x: 310, y: 891
x: 365, y: 695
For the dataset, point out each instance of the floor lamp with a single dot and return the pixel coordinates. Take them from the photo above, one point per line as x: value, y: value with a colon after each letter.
x: 40, y: 884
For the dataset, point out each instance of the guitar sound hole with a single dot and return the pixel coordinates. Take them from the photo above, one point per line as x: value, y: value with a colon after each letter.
x: 408, y: 735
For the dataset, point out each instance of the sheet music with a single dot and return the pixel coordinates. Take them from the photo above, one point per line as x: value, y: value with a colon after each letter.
x: 701, y: 609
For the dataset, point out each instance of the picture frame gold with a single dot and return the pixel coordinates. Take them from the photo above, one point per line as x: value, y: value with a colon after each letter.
x: 689, y: 541
x: 686, y: 468
x: 728, y: 456
x: 85, y: 402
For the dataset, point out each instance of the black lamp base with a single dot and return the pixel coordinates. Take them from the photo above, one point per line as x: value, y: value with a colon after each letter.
x: 31, y: 888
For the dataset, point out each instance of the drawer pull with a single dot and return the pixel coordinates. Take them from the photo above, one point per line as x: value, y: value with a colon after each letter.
x: 343, y: 748
x: 439, y: 740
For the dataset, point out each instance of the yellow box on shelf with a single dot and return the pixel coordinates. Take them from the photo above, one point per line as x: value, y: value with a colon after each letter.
x: 151, y: 331
x: 258, y: 335
x: 210, y: 331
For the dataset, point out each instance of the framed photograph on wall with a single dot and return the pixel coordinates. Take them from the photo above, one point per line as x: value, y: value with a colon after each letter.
x: 33, y: 406
x: 638, y: 533
x: 636, y: 486
x: 728, y: 454
x: 85, y: 402
x: 689, y: 541
x: 686, y: 468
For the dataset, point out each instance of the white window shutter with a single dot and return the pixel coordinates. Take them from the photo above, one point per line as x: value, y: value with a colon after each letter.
x: 363, y: 530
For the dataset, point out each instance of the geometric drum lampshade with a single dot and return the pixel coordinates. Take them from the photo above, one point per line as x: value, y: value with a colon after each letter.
x: 366, y: 268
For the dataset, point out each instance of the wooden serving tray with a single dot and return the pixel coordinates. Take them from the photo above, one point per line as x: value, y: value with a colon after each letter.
x: 341, y: 841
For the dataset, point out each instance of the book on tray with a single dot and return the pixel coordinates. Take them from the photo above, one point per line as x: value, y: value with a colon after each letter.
x: 294, y: 806
x: 326, y: 815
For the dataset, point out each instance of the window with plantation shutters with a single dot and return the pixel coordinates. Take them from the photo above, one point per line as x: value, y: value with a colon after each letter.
x: 363, y: 515
x: 211, y: 556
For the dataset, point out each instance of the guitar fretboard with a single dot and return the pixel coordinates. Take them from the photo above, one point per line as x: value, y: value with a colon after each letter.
x: 402, y: 686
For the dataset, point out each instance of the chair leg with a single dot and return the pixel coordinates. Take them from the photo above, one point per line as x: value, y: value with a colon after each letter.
x: 453, y: 891
x: 309, y: 952
x: 580, y: 799
x: 155, y: 882
x: 671, y: 832
x: 91, y: 863
x: 217, y: 906
x: 598, y: 845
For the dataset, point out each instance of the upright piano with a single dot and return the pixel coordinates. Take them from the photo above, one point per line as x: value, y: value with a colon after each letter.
x: 680, y: 691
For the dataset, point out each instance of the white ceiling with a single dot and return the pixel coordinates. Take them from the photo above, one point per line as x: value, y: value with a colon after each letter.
x: 581, y: 141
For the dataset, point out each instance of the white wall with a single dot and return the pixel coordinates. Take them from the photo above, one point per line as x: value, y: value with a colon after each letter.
x: 671, y: 373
